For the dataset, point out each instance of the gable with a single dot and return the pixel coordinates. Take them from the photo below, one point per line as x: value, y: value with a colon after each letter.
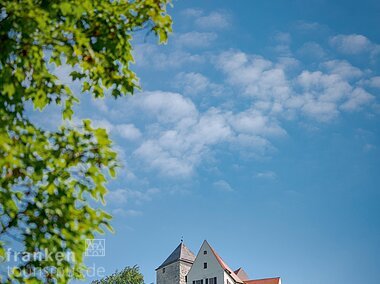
x: 205, y: 255
x: 215, y: 265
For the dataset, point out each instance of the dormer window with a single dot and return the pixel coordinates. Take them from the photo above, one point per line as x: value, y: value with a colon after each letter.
x: 205, y: 252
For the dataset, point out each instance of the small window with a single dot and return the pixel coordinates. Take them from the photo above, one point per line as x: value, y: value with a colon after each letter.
x: 205, y: 265
x: 186, y: 278
x: 205, y: 252
x: 163, y: 270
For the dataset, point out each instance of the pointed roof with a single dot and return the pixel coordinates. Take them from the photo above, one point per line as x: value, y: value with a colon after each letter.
x: 180, y: 253
x: 225, y: 266
x: 241, y: 274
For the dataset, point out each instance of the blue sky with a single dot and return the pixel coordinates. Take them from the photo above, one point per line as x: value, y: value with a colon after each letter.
x: 258, y: 130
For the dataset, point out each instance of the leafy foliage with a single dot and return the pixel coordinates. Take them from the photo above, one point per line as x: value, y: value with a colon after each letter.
x: 48, y: 178
x: 129, y: 275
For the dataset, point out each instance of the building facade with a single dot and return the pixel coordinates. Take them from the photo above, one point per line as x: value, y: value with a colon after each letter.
x: 207, y: 267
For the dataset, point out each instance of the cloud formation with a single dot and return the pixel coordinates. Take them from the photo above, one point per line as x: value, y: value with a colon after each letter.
x: 181, y: 130
x: 123, y: 196
x: 320, y: 94
x: 192, y: 83
x: 195, y: 39
x: 351, y: 44
x: 214, y: 20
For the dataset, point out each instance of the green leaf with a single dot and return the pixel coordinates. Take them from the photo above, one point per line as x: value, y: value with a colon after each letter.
x: 48, y: 176
x: 77, y: 75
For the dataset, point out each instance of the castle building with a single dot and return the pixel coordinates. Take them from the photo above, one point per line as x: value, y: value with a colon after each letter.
x: 183, y: 267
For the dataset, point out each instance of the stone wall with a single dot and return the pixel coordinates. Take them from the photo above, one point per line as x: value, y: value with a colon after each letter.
x: 174, y: 273
x: 184, y: 269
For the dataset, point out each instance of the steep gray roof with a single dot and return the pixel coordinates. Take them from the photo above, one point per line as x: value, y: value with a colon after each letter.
x: 180, y: 253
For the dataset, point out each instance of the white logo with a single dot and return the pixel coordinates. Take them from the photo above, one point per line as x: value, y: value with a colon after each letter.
x: 95, y: 247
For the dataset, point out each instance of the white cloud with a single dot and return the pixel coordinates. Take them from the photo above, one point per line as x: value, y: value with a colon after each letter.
x: 179, y: 135
x: 266, y: 175
x: 126, y: 213
x: 192, y: 83
x: 103, y: 123
x: 127, y: 131
x: 195, y: 39
x: 123, y: 196
x: 166, y: 107
x: 100, y: 104
x: 353, y: 44
x: 195, y: 83
x: 276, y: 92
x: 214, y: 20
x: 222, y: 185
x: 357, y: 99
x: 251, y: 145
x: 326, y: 87
x: 288, y: 63
x: 283, y: 41
x: 320, y: 110
x: 255, y: 123
x: 374, y: 82
x: 162, y: 57
x: 312, y: 49
x: 282, y: 37
x: 342, y: 68
x: 308, y: 26
x: 258, y: 77
x: 176, y: 151
x: 161, y: 158
x: 325, y: 93
x: 192, y: 12
x: 118, y: 196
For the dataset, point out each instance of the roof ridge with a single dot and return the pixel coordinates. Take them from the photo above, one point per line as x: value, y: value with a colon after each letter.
x: 224, y: 265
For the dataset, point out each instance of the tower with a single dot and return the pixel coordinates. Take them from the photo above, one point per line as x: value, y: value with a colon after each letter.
x: 175, y: 268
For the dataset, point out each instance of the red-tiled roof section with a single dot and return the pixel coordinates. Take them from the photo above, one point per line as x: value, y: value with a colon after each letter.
x: 226, y: 267
x: 276, y: 280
